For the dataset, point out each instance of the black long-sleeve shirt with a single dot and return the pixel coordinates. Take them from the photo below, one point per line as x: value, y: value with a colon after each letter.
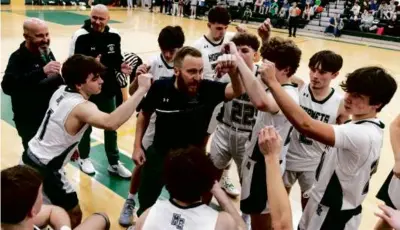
x: 29, y: 87
x: 88, y: 42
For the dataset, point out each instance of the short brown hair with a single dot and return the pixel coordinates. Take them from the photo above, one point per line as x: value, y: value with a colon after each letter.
x: 371, y: 81
x: 19, y: 190
x: 246, y: 39
x: 220, y: 15
x: 183, y: 52
x: 283, y: 52
x: 189, y: 174
x: 77, y: 68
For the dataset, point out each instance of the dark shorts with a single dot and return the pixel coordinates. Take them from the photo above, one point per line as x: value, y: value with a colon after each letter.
x: 389, y: 192
x: 56, y: 186
x: 254, y: 197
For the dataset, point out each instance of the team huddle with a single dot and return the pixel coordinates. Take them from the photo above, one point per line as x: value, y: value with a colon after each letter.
x: 277, y: 129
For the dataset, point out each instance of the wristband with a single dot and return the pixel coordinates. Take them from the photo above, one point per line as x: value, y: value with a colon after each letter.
x: 65, y: 228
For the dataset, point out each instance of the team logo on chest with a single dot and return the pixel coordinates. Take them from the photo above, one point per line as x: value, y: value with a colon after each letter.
x: 177, y: 221
x: 111, y: 48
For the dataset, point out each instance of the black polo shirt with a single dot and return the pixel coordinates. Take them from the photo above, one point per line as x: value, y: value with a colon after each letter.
x: 182, y: 120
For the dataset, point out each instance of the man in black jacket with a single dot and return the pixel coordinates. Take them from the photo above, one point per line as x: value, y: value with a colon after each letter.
x: 31, y: 77
x: 97, y: 39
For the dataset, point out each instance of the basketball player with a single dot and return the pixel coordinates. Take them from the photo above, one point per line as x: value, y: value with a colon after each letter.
x: 390, y: 216
x: 210, y: 46
x: 189, y: 174
x: 184, y: 105
x: 160, y: 66
x: 323, y: 103
x: 270, y: 144
x: 286, y: 55
x: 237, y: 116
x: 390, y: 191
x: 69, y: 115
x: 21, y: 204
x: 343, y: 174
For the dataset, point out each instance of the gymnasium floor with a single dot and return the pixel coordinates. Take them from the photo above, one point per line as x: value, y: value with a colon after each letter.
x: 139, y: 30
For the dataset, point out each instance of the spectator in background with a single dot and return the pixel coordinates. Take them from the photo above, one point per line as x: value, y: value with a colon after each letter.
x: 373, y: 6
x: 367, y: 19
x: 193, y: 7
x: 384, y: 11
x: 265, y: 6
x: 356, y: 10
x: 308, y: 11
x: 293, y: 19
x: 335, y: 25
x: 247, y: 14
x: 273, y: 10
x: 31, y: 78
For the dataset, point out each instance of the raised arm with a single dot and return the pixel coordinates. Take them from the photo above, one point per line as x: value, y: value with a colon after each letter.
x: 89, y: 113
x: 271, y: 145
x: 228, y: 207
x: 256, y: 91
x: 306, y: 125
x: 395, y: 141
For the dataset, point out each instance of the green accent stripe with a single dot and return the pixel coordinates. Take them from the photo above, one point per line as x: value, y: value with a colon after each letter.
x: 116, y: 184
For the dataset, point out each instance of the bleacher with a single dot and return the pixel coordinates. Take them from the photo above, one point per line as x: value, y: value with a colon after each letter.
x: 383, y: 29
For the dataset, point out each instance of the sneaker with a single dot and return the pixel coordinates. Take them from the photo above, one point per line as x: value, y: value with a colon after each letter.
x: 126, y: 216
x: 229, y: 187
x: 119, y: 170
x: 86, y: 166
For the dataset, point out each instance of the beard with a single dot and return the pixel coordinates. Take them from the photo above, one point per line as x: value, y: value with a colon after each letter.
x: 191, y: 89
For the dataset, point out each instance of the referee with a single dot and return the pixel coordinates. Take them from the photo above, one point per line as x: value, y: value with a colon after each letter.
x: 98, y: 40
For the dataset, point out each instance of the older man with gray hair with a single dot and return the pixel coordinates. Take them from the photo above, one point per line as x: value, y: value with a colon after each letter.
x: 97, y: 39
x: 31, y: 77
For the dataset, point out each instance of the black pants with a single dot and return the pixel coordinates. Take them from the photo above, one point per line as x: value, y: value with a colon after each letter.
x: 26, y: 132
x: 293, y: 21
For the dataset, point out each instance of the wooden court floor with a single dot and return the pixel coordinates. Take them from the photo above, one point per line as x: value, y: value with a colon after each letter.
x: 139, y: 30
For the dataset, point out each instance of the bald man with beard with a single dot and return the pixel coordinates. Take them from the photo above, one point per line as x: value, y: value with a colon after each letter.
x: 96, y: 39
x: 31, y: 77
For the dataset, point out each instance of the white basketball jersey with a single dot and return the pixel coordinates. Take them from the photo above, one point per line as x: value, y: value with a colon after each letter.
x: 278, y: 121
x: 343, y: 174
x: 167, y: 215
x: 210, y: 52
x: 304, y: 153
x: 159, y: 68
x: 52, y: 143
x: 240, y: 112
